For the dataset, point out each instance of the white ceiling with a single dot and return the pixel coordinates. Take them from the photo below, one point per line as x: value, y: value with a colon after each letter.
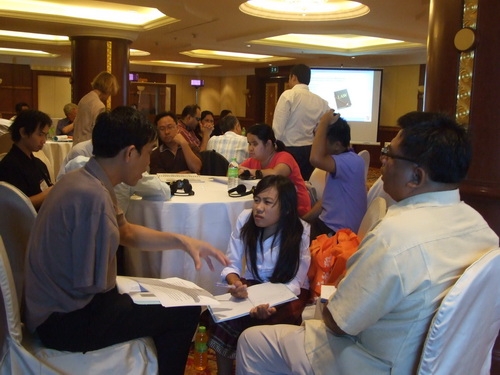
x: 219, y: 25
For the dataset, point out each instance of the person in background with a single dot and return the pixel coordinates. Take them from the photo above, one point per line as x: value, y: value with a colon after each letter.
x: 188, y: 122
x: 205, y: 128
x: 378, y: 319
x: 273, y: 242
x: 103, y: 86
x: 174, y: 154
x: 20, y: 167
x: 70, y: 278
x: 343, y: 204
x: 268, y: 156
x: 231, y: 144
x: 19, y: 107
x: 217, y: 128
x: 65, y: 125
x: 296, y: 116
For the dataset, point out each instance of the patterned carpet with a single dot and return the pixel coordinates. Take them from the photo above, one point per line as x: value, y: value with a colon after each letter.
x: 373, y: 174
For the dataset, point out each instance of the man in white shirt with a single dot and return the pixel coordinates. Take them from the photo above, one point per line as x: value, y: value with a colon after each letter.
x: 377, y: 320
x: 231, y: 144
x: 296, y: 116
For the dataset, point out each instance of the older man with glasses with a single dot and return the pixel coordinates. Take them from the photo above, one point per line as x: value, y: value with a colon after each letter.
x: 377, y: 320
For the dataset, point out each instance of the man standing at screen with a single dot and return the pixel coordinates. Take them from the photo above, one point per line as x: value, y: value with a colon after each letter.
x: 296, y: 115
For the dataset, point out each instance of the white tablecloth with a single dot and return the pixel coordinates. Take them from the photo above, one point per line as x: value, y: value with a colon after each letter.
x: 56, y: 152
x: 208, y: 215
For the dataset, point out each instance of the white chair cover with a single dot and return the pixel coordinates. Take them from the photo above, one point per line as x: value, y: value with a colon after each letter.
x: 375, y: 212
x: 377, y: 190
x: 365, y: 154
x: 463, y: 331
x: 318, y: 181
x: 16, y: 221
x: 23, y: 354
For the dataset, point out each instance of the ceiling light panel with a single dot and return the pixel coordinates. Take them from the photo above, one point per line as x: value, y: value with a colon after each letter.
x: 93, y: 12
x: 25, y: 52
x: 234, y: 56
x: 345, y: 43
x: 174, y: 64
x: 304, y: 10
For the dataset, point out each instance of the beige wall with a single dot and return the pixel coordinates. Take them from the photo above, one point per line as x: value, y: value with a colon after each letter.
x: 399, y: 92
x: 53, y: 94
x: 218, y: 93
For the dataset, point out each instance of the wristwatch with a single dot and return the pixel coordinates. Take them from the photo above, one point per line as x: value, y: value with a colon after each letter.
x: 258, y: 174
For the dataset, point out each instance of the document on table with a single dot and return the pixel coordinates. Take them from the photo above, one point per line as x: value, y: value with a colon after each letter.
x: 169, y: 292
x: 231, y: 308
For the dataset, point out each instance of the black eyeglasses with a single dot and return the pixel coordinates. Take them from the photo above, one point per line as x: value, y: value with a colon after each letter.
x: 386, y: 151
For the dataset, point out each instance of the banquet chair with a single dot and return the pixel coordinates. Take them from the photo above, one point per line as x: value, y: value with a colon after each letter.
x: 318, y: 181
x: 16, y: 221
x: 463, y: 331
x: 213, y: 163
x: 365, y: 154
x: 23, y: 353
x: 374, y: 213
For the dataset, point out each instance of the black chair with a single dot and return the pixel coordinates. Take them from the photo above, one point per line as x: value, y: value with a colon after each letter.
x: 213, y: 163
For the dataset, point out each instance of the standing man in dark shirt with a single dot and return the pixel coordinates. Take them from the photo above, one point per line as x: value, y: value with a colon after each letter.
x: 20, y: 167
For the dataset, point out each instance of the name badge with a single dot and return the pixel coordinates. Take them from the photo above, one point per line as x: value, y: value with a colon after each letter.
x: 43, y: 185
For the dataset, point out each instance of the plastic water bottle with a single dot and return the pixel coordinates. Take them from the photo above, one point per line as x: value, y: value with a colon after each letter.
x: 52, y: 132
x: 232, y: 174
x: 200, y: 349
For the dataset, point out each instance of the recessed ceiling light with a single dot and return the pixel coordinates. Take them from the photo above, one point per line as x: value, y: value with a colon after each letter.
x: 25, y: 52
x: 173, y: 64
x: 138, y: 52
x: 86, y: 12
x: 304, y: 10
x: 5, y: 34
x: 235, y: 56
x: 340, y: 43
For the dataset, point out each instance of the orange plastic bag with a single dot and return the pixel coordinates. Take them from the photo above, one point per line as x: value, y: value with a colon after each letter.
x: 329, y: 257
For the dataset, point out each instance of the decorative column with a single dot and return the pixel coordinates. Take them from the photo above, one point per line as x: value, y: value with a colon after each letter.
x: 463, y: 79
x: 92, y: 55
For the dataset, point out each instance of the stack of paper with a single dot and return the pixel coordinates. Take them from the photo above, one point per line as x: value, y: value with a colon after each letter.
x: 266, y: 293
x: 168, y: 292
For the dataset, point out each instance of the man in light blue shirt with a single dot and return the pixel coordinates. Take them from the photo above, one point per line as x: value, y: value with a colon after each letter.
x: 231, y: 144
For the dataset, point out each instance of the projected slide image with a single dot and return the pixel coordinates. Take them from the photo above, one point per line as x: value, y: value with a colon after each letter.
x: 351, y: 91
x: 342, y: 99
x: 355, y: 94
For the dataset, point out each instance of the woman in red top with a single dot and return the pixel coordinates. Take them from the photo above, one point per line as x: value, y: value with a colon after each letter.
x: 268, y: 156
